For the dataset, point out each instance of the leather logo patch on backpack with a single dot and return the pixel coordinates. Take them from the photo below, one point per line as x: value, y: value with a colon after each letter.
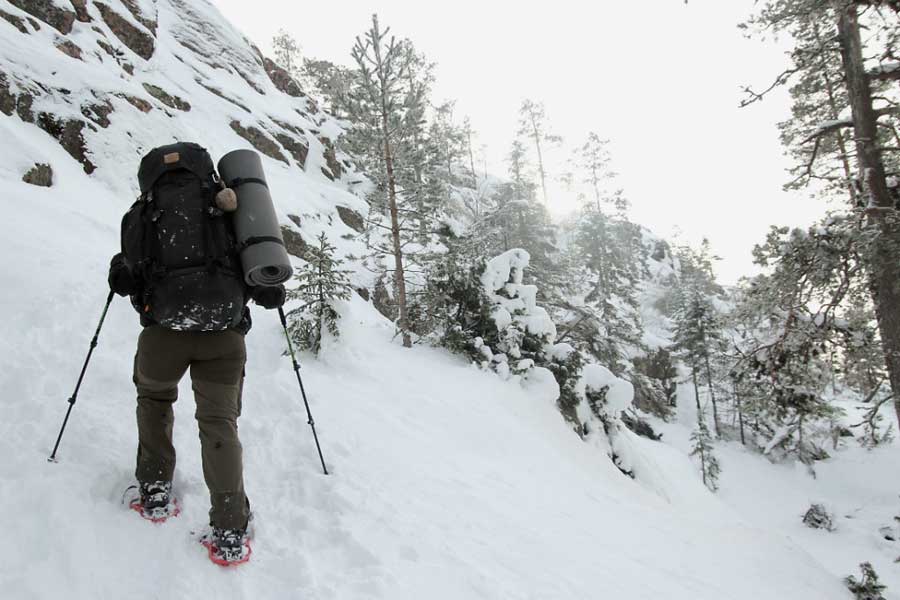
x: 171, y: 158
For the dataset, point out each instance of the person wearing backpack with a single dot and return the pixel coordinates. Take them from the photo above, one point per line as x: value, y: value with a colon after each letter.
x: 179, y: 264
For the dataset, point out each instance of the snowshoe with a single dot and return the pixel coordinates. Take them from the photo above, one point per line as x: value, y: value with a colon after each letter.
x: 227, y: 547
x: 153, y: 500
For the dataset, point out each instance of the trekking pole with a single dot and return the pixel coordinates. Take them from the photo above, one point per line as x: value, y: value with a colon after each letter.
x: 81, y: 377
x: 312, y: 423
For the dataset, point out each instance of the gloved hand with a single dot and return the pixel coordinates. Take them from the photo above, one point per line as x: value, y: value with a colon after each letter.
x: 268, y: 297
x: 121, y: 280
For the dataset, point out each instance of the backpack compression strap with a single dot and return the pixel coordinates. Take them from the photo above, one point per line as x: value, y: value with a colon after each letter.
x: 239, y: 181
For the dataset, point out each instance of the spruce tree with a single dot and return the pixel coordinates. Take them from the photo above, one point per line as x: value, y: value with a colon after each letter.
x: 867, y: 588
x: 698, y: 326
x: 703, y: 448
x: 320, y: 281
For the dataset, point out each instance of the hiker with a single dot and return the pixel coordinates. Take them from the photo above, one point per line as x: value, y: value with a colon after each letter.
x: 179, y: 264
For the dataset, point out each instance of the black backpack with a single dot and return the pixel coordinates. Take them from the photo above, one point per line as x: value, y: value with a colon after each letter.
x: 181, y: 246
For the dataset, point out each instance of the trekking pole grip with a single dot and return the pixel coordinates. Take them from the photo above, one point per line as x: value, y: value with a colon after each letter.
x: 74, y: 397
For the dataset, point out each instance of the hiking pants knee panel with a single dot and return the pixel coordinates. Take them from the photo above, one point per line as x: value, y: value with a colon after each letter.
x: 217, y: 378
x: 159, y: 364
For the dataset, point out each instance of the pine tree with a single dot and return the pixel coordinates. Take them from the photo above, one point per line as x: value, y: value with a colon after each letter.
x: 388, y: 106
x: 287, y: 53
x: 698, y: 327
x: 869, y: 588
x: 608, y: 324
x: 703, y: 448
x: 533, y: 124
x: 320, y: 281
x: 593, y: 160
x: 830, y: 72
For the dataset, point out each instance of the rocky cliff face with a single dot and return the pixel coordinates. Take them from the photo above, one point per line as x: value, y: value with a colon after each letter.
x: 108, y: 80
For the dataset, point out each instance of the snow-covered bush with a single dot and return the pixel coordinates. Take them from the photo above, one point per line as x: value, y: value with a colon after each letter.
x: 604, y: 398
x: 818, y: 517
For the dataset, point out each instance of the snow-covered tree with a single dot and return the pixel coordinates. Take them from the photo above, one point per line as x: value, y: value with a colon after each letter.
x: 703, y: 449
x: 320, y: 281
x: 867, y: 588
x: 287, y: 53
x: 698, y: 326
x: 834, y: 67
x: 387, y: 106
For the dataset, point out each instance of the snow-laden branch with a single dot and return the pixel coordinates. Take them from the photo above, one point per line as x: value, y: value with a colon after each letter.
x: 885, y: 72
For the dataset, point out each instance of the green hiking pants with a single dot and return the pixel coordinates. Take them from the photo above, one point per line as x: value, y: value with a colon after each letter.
x: 216, y: 360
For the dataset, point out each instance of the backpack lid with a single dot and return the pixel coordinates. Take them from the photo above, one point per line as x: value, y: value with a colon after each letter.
x: 180, y: 155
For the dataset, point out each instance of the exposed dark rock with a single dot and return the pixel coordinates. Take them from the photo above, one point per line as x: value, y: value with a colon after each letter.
x: 139, y: 103
x: 382, y: 301
x: 69, y: 48
x: 295, y: 220
x: 327, y: 173
x: 68, y: 134
x: 660, y: 251
x: 292, y: 128
x: 98, y: 113
x: 166, y: 98
x: 135, y: 10
x: 282, y: 79
x: 16, y: 22
x: 40, y: 174
x: 48, y: 12
x: 294, y: 243
x: 259, y: 140
x: 23, y: 107
x: 81, y: 12
x: 221, y: 95
x: 7, y: 98
x: 109, y: 49
x: 199, y: 54
x: 363, y: 293
x: 331, y: 159
x: 640, y: 427
x: 128, y: 68
x: 297, y: 149
x: 141, y: 43
x: 250, y: 82
x: 34, y: 24
x: 351, y: 218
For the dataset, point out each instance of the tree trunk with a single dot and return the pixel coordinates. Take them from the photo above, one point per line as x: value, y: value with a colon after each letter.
x: 472, y: 165
x: 537, y: 145
x: 696, y: 388
x: 712, y: 395
x: 740, y: 411
x: 884, y: 267
x: 830, y: 90
x: 399, y: 278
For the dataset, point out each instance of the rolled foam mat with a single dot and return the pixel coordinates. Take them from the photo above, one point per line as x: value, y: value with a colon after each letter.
x: 263, y: 257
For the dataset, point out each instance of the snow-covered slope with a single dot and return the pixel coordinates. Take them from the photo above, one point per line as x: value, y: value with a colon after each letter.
x: 446, y: 482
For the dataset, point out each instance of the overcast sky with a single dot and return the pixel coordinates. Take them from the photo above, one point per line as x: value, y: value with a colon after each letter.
x: 660, y: 79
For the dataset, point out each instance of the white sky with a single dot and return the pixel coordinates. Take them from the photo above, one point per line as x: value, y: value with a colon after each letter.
x: 659, y: 78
